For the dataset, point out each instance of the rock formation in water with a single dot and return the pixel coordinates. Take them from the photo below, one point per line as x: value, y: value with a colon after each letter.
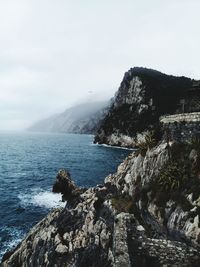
x: 143, y: 96
x: 147, y: 214
x: 84, y: 119
x: 66, y: 187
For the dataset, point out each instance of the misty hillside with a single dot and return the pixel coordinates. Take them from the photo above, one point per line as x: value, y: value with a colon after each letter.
x: 83, y: 118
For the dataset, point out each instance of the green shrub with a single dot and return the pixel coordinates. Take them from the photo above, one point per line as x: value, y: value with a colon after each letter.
x: 173, y: 176
x: 148, y: 143
x: 142, y: 148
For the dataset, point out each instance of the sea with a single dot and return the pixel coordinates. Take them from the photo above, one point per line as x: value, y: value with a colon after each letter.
x: 29, y: 163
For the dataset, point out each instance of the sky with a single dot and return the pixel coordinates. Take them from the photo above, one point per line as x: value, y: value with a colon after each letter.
x: 57, y: 53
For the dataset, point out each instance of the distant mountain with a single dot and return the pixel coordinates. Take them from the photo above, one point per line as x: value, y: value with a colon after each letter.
x: 83, y: 118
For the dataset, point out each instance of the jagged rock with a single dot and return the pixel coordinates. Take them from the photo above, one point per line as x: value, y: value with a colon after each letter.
x: 147, y: 213
x: 65, y: 186
x: 95, y: 231
x: 143, y: 96
x: 61, y: 249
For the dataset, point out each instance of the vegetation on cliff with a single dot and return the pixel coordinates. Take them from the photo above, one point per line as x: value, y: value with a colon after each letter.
x: 143, y: 96
x: 148, y: 212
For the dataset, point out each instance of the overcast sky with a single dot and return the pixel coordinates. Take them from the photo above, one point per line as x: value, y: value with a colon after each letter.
x: 56, y: 53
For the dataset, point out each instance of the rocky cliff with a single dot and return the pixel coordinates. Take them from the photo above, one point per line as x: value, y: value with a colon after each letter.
x: 146, y: 214
x: 84, y: 119
x: 143, y: 96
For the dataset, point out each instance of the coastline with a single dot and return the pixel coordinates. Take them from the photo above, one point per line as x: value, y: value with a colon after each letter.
x: 27, y: 182
x: 109, y: 221
x: 113, y: 146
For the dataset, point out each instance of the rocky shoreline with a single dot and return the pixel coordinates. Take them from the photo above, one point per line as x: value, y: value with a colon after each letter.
x: 134, y: 219
x: 148, y: 212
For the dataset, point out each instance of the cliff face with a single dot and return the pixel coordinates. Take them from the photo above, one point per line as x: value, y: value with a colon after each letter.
x: 147, y: 214
x: 143, y: 96
x: 83, y: 119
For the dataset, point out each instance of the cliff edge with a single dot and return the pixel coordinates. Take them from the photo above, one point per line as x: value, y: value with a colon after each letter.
x: 143, y: 96
x: 146, y: 214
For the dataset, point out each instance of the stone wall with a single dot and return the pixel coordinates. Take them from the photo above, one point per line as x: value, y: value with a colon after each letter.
x: 181, y: 127
x: 183, y: 117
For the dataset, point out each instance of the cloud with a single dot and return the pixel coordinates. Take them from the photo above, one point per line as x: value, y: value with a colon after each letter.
x: 53, y: 52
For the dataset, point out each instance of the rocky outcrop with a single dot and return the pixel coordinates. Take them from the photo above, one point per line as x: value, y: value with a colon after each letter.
x: 66, y: 186
x: 143, y: 96
x: 146, y: 214
x: 165, y: 187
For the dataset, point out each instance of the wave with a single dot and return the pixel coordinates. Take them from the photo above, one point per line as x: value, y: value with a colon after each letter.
x: 41, y: 198
x: 10, y: 237
x: 110, y: 146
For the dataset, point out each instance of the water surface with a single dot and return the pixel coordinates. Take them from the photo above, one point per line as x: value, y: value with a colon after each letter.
x: 29, y: 163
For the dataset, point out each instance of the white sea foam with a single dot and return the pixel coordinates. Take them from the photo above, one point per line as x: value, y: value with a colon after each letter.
x: 15, y: 236
x: 119, y: 147
x: 41, y: 198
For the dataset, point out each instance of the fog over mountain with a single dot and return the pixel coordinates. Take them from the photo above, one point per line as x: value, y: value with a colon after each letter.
x: 55, y: 54
x: 83, y: 118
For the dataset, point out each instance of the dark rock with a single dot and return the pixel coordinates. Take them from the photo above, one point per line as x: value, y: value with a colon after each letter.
x: 88, y: 257
x: 147, y: 213
x: 65, y: 186
x: 143, y: 96
x: 96, y: 232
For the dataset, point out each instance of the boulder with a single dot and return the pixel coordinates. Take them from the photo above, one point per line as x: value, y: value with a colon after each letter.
x: 65, y: 185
